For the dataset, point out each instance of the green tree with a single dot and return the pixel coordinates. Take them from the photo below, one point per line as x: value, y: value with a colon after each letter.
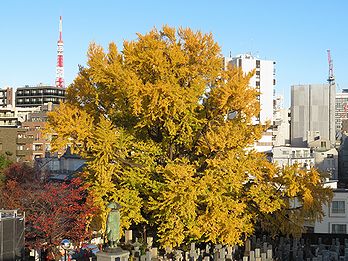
x: 153, y: 123
x: 4, y: 163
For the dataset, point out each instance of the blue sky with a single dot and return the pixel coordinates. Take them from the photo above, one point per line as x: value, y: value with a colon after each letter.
x: 295, y: 34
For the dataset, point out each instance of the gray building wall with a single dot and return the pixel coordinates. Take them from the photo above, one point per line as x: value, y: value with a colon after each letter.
x: 312, y: 110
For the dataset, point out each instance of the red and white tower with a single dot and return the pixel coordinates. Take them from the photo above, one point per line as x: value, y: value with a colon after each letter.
x: 60, y: 66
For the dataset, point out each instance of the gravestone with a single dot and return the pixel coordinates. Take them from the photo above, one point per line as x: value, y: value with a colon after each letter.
x: 264, y: 248
x: 128, y: 236
x: 286, y: 252
x: 148, y: 255
x: 207, y: 248
x: 149, y: 242
x: 269, y: 254
x: 178, y: 255
x: 247, y: 247
x: 154, y: 252
x: 300, y: 255
x: 229, y: 255
x: 263, y: 256
x: 257, y: 252
x: 252, y: 256
x: 223, y: 253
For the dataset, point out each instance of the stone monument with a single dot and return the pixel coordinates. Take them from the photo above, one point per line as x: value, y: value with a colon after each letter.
x: 112, y: 252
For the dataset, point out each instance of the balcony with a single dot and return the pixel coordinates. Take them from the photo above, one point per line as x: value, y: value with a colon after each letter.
x: 8, y: 124
x: 8, y: 116
x: 25, y: 140
x: 24, y: 152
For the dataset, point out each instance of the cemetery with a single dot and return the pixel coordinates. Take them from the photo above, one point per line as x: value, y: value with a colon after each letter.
x: 311, y: 247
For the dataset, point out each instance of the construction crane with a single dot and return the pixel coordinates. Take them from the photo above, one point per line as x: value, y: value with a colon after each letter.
x: 332, y: 90
x: 331, y: 78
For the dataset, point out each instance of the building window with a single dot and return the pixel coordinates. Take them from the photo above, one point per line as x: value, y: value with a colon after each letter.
x: 257, y: 63
x: 257, y: 84
x: 338, y: 207
x: 323, y: 144
x: 37, y: 147
x: 338, y: 228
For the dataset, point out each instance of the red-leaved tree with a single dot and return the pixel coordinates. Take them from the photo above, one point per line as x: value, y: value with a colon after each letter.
x: 53, y: 211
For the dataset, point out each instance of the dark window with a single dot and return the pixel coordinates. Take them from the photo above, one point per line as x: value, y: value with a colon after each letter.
x: 338, y: 207
x: 257, y: 63
x: 339, y: 228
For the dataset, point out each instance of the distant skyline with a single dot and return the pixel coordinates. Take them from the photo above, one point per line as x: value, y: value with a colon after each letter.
x: 295, y: 34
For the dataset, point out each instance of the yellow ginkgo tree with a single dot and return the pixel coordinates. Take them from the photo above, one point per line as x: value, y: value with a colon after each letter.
x: 153, y: 123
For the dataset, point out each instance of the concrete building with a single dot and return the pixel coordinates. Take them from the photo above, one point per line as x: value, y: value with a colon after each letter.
x: 14, y: 116
x: 287, y: 156
x: 35, y: 125
x: 8, y: 118
x: 281, y: 123
x: 38, y: 95
x: 341, y: 110
x: 336, y: 214
x: 264, y: 81
x: 343, y: 159
x: 327, y: 162
x: 14, y: 143
x: 312, y: 111
x: 6, y: 97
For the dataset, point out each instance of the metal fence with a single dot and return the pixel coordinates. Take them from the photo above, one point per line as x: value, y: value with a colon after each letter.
x: 11, y: 235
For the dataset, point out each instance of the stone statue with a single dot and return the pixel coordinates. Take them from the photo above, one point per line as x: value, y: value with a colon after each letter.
x: 113, y: 225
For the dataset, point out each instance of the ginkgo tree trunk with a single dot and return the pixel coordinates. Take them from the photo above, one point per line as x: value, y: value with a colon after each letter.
x: 152, y: 122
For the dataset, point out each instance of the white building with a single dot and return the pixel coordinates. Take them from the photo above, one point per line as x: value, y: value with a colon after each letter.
x: 281, y: 122
x: 336, y: 214
x: 287, y: 156
x: 13, y: 116
x: 264, y: 81
x: 327, y: 162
